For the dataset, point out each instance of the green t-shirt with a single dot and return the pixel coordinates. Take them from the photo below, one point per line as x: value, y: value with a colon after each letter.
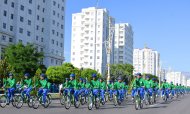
x: 27, y: 83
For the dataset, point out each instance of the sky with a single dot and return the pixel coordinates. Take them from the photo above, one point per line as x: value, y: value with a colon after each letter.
x: 163, y: 25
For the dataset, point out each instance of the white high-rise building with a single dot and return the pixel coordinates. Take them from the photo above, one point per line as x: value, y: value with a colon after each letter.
x: 146, y: 61
x: 123, y: 46
x: 90, y: 30
x: 177, y: 77
x: 40, y: 22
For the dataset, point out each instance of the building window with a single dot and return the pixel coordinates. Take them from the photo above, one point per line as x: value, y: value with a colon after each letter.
x: 58, y: 5
x: 52, y: 41
x: 20, y: 40
x: 36, y: 38
x: 62, y: 8
x: 29, y: 22
x: 53, y: 22
x: 44, y: 1
x: 57, y: 33
x: 11, y: 28
x: 57, y: 24
x: 4, y: 25
x: 42, y: 29
x: 37, y: 27
x: 12, y: 5
x: 43, y: 10
x: 4, y: 13
x: 20, y: 30
x: 42, y: 39
x: 38, y: 17
x: 62, y: 17
x: 57, y: 43
x: 5, y: 1
x: 22, y: 7
x: 3, y: 38
x: 61, y: 35
x: 42, y: 19
x: 12, y: 16
x: 38, y: 7
x: 10, y: 39
x: 41, y: 49
x: 53, y: 12
x: 21, y: 19
x: 28, y: 33
x: 52, y: 61
x: 30, y: 1
x: 53, y: 31
x: 54, y: 3
x: 29, y: 11
x: 61, y: 44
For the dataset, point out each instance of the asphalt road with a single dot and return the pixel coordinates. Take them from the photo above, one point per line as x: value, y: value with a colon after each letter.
x: 180, y: 106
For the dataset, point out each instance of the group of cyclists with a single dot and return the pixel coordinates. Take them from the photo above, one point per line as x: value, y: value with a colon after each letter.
x: 94, y: 92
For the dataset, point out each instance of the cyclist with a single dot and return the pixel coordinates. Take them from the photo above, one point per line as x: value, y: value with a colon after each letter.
x: 74, y: 86
x: 148, y: 86
x: 164, y: 88
x: 26, y: 85
x: 172, y: 89
x: 44, y: 87
x: 125, y: 88
x: 118, y: 87
x: 155, y: 86
x: 88, y: 87
x: 11, y: 84
x: 66, y: 86
x: 110, y: 88
x: 81, y: 86
x: 133, y: 87
x: 138, y: 86
x: 95, y: 85
x: 102, y: 90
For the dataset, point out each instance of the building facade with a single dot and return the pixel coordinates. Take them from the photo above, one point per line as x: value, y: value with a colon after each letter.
x: 146, y: 61
x: 177, y: 77
x: 40, y: 22
x: 91, y: 29
x: 123, y: 45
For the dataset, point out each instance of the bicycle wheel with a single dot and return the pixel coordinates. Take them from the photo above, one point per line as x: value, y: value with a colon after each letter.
x: 50, y: 98
x: 30, y: 102
x: 115, y: 100
x: 76, y: 103
x: 90, y: 102
x: 62, y: 100
x: 137, y: 105
x: 46, y: 103
x: 3, y: 101
x: 35, y: 102
x: 82, y: 100
x: 141, y: 104
x: 67, y: 102
x: 97, y: 103
x: 18, y: 101
x: 13, y: 102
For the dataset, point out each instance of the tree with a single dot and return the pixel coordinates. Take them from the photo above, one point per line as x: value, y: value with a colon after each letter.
x: 5, y: 68
x: 87, y: 73
x: 57, y: 74
x: 123, y: 70
x: 150, y: 76
x: 23, y: 58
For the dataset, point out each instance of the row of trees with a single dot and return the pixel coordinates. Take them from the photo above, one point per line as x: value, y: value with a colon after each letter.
x: 20, y: 59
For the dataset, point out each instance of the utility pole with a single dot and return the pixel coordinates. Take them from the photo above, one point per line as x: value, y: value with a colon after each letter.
x: 109, y: 47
